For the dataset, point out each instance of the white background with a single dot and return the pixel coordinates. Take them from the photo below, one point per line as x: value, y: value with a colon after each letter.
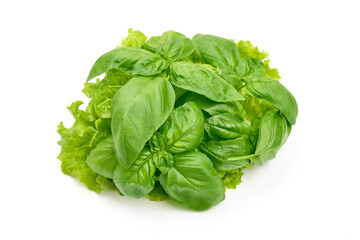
x: 311, y: 189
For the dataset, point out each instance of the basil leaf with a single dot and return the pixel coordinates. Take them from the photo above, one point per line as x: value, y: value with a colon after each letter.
x: 102, y: 159
x: 171, y: 49
x: 157, y: 142
x: 163, y: 160
x: 188, y: 46
x: 138, y: 109
x: 250, y: 67
x: 226, y: 126
x: 210, y: 106
x: 184, y: 128
x: 220, y: 151
x: 193, y: 182
x: 122, y: 59
x: 150, y: 65
x: 217, y: 51
x: 273, y: 92
x: 273, y: 133
x: 138, y: 180
x: 182, y: 74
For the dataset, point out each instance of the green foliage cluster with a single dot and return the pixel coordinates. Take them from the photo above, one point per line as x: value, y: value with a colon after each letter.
x: 177, y: 117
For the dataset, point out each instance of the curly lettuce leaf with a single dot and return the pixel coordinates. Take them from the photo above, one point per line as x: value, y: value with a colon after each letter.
x: 134, y: 39
x: 271, y: 72
x: 76, y: 144
x: 103, y: 91
x: 247, y: 50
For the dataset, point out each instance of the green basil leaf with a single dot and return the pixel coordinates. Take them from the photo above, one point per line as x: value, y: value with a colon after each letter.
x: 273, y: 133
x: 226, y: 126
x: 171, y: 49
x: 122, y: 59
x: 250, y: 67
x: 102, y: 159
x: 138, y: 180
x: 182, y: 74
x: 150, y: 65
x: 138, y: 109
x: 184, y: 128
x: 273, y: 92
x: 157, y: 142
x: 210, y: 106
x: 189, y: 48
x: 193, y: 182
x: 220, y: 151
x: 217, y: 51
x: 154, y: 42
x: 163, y: 161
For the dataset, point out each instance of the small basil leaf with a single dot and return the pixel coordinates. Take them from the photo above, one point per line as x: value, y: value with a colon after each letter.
x: 122, y: 59
x: 138, y: 109
x: 154, y: 42
x: 220, y: 151
x: 102, y: 159
x: 216, y: 50
x: 226, y: 126
x: 273, y: 92
x: 210, y: 106
x: 150, y: 65
x: 250, y: 67
x: 273, y: 133
x: 163, y: 161
x: 171, y: 49
x: 182, y: 74
x: 193, y: 182
x: 138, y: 180
x: 157, y: 142
x: 184, y: 128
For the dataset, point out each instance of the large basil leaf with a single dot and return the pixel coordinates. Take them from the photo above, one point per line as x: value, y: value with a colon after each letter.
x: 217, y: 51
x: 220, y: 151
x: 193, y: 182
x: 207, y: 83
x: 221, y: 53
x: 150, y: 65
x: 184, y: 128
x: 273, y: 133
x: 273, y: 92
x: 210, y: 106
x: 137, y: 111
x: 122, y: 59
x: 102, y: 159
x: 226, y: 126
x: 138, y: 180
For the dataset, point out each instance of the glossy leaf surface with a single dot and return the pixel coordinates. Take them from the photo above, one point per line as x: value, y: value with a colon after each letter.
x: 138, y: 110
x: 193, y: 182
x: 138, y: 180
x: 184, y: 128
